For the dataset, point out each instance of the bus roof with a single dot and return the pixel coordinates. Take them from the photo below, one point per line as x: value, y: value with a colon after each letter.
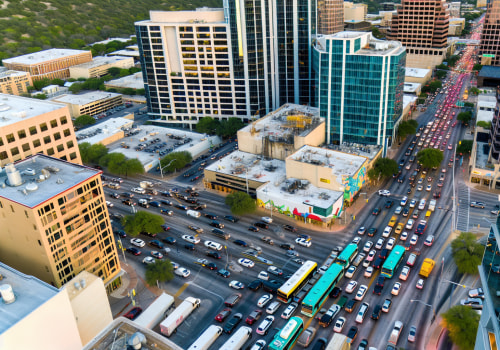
x: 318, y: 289
x: 395, y: 255
x: 347, y: 252
x: 297, y: 276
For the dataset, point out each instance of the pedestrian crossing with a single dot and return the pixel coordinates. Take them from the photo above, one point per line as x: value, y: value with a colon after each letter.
x: 463, y: 207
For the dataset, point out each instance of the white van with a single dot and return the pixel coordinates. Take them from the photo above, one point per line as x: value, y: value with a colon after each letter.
x: 421, y: 205
x: 213, y: 245
x: 273, y: 307
x: 193, y: 213
x: 362, y: 312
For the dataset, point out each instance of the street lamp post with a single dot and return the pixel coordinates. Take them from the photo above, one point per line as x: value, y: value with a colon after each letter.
x: 428, y: 305
x: 161, y: 168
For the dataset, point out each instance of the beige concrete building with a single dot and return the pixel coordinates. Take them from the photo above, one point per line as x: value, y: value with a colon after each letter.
x: 99, y: 66
x: 481, y: 3
x: 282, y: 132
x: 354, y: 12
x: 50, y: 64
x: 106, y: 132
x: 35, y: 315
x: 30, y: 126
x: 14, y: 82
x: 457, y: 25
x: 417, y: 75
x: 91, y: 103
x: 133, y: 81
x: 55, y: 222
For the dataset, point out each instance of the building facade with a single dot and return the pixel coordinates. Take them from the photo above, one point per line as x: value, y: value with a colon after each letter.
x: 490, y: 37
x: 55, y: 222
x: 495, y: 131
x: 50, y: 64
x: 14, y: 82
x: 350, y: 65
x: 30, y: 126
x: 422, y: 27
x: 330, y: 16
x: 91, y: 103
x: 99, y: 66
x: 354, y: 12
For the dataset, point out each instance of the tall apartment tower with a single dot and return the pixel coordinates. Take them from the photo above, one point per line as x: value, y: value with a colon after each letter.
x: 55, y: 223
x: 495, y: 132
x: 422, y: 27
x: 330, y: 16
x: 359, y: 82
x: 490, y: 37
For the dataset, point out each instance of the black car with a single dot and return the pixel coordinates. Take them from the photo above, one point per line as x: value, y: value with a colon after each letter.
x: 189, y: 246
x: 156, y: 243
x: 377, y: 290
x: 376, y: 211
x: 389, y: 204
x: 240, y: 242
x: 372, y: 231
x: 384, y: 253
x: 376, y: 312
x: 320, y: 344
x: 214, y: 255
x: 155, y: 204
x: 401, y: 179
x: 149, y: 234
x: 127, y: 195
x: 408, y: 191
x: 181, y: 207
x: 335, y: 292
x: 253, y: 228
x: 261, y: 224
x: 232, y: 323
x: 169, y: 240
x: 287, y: 246
x: 230, y: 218
x: 115, y: 195
x: 353, y: 332
x: 133, y: 313
x: 134, y: 251
x: 211, y: 216
x: 121, y: 233
x: 289, y: 228
x: 255, y: 285
x: 165, y: 202
x: 217, y: 224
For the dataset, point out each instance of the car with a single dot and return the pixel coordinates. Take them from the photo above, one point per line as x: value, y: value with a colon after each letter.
x: 399, y: 228
x: 182, y: 271
x: 165, y: 227
x: 221, y: 316
x: 253, y: 317
x: 298, y: 261
x: 420, y: 188
x: 361, y: 292
x: 156, y: 243
x: 253, y: 229
x: 390, y: 243
x: 259, y: 345
x: 289, y: 228
x: 230, y: 218
x: 350, y: 271
x: 412, y: 334
x: 413, y: 202
x: 137, y: 242
x: 148, y: 260
x: 380, y: 243
x: 389, y: 204
x: 386, y: 306
x: 246, y: 262
x: 156, y: 254
x: 398, y: 210
x: 372, y: 231
x: 264, y: 326
x: 376, y: 312
x: 429, y: 240
x: 366, y: 263
x: 266, y: 219
x: 475, y: 303
x: 303, y: 242
x: 320, y: 344
x: 361, y: 230
x: 356, y: 240
x: 408, y: 190
x: 134, y: 251
x: 371, y: 255
x: 255, y: 285
x: 363, y: 345
x: 353, y: 332
x: 292, y: 253
x: 428, y: 188
x: 384, y: 193
x: 240, y: 242
x: 409, y: 224
x: 368, y: 272
x: 414, y: 240
x: 477, y: 205
x: 387, y: 231
x: 368, y: 245
x: 133, y: 313
x: 306, y: 337
x: 335, y: 292
x: 169, y: 240
x: 274, y: 270
x: 236, y: 285
x: 211, y: 216
x: 195, y: 228
x: 121, y: 233
x: 339, y: 324
x: 404, y: 236
x: 263, y: 300
x: 351, y: 287
x: 232, y: 323
x: 405, y: 272
x: 396, y: 288
x: 261, y: 224
x: 405, y: 212
x: 376, y: 211
x: 191, y: 239
x: 263, y: 275
x: 349, y: 306
x: 420, y: 284
x: 290, y: 309
x: 329, y: 315
x: 287, y: 246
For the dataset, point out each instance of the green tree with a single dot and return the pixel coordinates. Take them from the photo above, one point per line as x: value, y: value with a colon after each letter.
x: 407, y: 127
x: 443, y: 66
x: 464, y: 117
x: 376, y: 33
x: 91, y: 154
x: 40, y: 96
x: 229, y: 128
x: 40, y: 84
x: 207, y: 125
x: 432, y: 86
x: 112, y: 160
x: 175, y: 160
x: 477, y: 67
x: 383, y: 169
x: 114, y: 71
x: 468, y: 104
x: 440, y: 74
x: 474, y: 90
x: 467, y: 252
x: 465, y: 147
x: 160, y: 271
x: 430, y: 157
x: 83, y: 120
x: 142, y: 221
x: 240, y: 203
x: 76, y: 88
x: 484, y: 124
x: 59, y: 82
x: 462, y: 323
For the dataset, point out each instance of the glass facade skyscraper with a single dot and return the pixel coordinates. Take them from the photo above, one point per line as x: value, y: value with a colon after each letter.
x: 358, y: 83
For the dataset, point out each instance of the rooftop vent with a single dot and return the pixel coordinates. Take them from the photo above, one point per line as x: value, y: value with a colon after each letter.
x: 77, y: 285
x: 136, y: 340
x: 59, y: 181
x: 7, y: 293
x: 13, y: 175
x: 83, y: 283
x: 29, y: 171
x: 31, y: 187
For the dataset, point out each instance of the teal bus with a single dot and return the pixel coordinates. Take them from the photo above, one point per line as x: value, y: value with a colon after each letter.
x: 347, y: 255
x: 393, y: 260
x: 286, y: 337
x: 320, y: 291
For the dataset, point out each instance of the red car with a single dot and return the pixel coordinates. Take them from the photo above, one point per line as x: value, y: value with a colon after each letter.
x: 253, y: 317
x: 221, y: 316
x: 133, y: 313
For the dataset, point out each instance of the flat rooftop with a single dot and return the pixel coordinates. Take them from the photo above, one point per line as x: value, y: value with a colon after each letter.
x: 104, y: 42
x: 370, y: 45
x: 101, y: 131
x: 42, y: 56
x: 407, y: 99
x: 239, y: 164
x: 411, y: 87
x: 366, y: 151
x: 487, y: 101
x: 84, y: 99
x: 127, y: 53
x: 133, y: 81
x: 12, y: 73
x: 15, y: 109
x: 340, y: 163
x: 482, y: 150
x: 30, y: 293
x: 41, y: 178
x: 416, y: 72
x: 101, y: 61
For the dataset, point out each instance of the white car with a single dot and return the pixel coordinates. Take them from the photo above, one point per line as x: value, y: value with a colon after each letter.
x: 356, y: 240
x: 191, y: 239
x: 246, y: 262
x: 263, y: 275
x: 148, y: 260
x: 368, y: 246
x: 429, y: 240
x: 404, y: 201
x: 139, y: 190
x: 266, y: 219
x: 396, y: 288
x: 390, y: 243
x: 361, y: 292
x: 213, y: 245
x: 236, y: 285
x: 350, y: 271
x: 405, y: 272
x: 264, y: 326
x: 409, y: 224
x: 182, y: 271
x: 351, y: 287
x: 371, y: 255
x: 420, y: 188
x: 404, y: 236
x: 380, y: 243
x: 398, y: 210
x: 413, y: 202
x: 290, y: 309
x: 339, y: 324
x: 414, y: 239
x: 384, y: 193
x: 428, y: 188
x: 138, y: 242
x: 369, y: 272
x: 387, y: 231
x: 109, y: 204
x: 420, y: 284
x: 303, y: 242
x: 264, y: 300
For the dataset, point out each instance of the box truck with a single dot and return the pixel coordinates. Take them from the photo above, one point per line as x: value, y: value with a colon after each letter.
x: 170, y: 324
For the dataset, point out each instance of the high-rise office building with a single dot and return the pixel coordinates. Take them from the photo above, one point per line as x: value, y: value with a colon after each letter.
x: 490, y: 37
x: 495, y: 131
x: 359, y: 87
x: 422, y: 27
x: 330, y: 16
x: 55, y: 222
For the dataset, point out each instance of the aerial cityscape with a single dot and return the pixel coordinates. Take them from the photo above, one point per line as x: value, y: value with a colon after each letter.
x: 250, y: 175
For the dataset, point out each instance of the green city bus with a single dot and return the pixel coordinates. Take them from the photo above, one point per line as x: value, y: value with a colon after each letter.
x: 286, y: 337
x: 347, y: 255
x: 393, y: 260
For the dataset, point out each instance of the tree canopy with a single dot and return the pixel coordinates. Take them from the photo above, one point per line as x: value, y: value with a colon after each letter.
x: 462, y: 323
x: 383, y: 169
x: 407, y: 127
x: 142, y: 221
x: 430, y: 157
x: 207, y: 125
x: 225, y: 129
x: 464, y: 146
x: 467, y: 252
x: 91, y: 154
x: 175, y: 161
x: 118, y: 164
x: 484, y: 124
x: 477, y: 67
x: 84, y: 120
x: 432, y: 86
x: 240, y: 203
x: 161, y: 271
x: 474, y: 90
x: 464, y: 117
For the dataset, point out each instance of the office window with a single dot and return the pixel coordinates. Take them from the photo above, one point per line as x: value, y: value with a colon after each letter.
x: 36, y: 143
x: 72, y: 156
x: 53, y: 123
x: 64, y: 120
x: 26, y: 147
x: 3, y: 155
x: 66, y: 132
x: 57, y: 136
x: 33, y: 130
x: 69, y: 144
x: 1, y: 142
x: 21, y: 134
x: 10, y: 138
x: 50, y: 152
x: 14, y: 151
x: 46, y: 139
x: 60, y: 148
x: 43, y: 127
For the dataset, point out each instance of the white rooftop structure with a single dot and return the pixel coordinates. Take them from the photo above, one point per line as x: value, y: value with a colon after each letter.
x: 42, y: 56
x: 123, y: 40
x: 416, y: 72
x: 370, y: 46
x: 97, y: 133
x: 411, y: 88
x: 11, y: 73
x: 127, y: 53
x: 34, y: 180
x: 100, y: 61
x: 86, y: 98
x: 133, y: 81
x: 486, y: 106
x: 407, y: 99
x: 14, y: 109
x: 341, y: 164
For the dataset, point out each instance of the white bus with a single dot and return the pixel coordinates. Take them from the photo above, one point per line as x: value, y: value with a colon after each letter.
x: 238, y: 339
x: 207, y: 338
